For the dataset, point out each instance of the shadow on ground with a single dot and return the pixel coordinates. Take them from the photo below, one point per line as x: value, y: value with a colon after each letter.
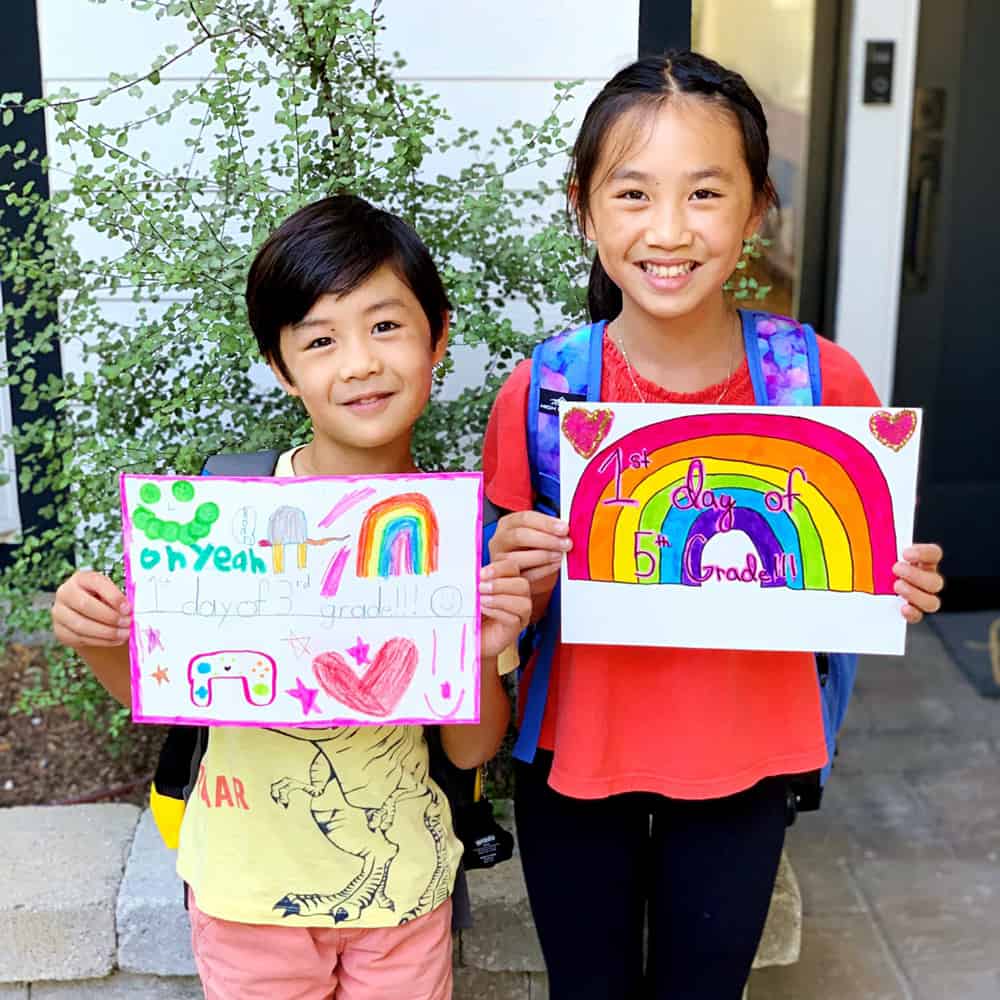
x: 899, y: 872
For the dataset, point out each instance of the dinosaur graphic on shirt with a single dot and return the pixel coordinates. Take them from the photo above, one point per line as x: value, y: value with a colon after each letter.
x: 364, y: 830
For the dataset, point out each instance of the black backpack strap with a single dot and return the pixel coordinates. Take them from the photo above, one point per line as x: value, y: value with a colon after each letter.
x: 251, y: 463
x: 458, y: 786
x: 173, y: 769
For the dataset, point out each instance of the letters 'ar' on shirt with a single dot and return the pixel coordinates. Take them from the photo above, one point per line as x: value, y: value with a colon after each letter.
x: 330, y: 827
x: 686, y: 723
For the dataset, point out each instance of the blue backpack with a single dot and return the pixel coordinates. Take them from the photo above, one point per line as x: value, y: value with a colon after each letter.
x: 783, y: 357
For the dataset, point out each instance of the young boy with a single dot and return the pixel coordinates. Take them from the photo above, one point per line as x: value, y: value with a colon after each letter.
x: 329, y: 874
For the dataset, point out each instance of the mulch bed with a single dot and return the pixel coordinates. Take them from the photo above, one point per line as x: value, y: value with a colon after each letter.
x: 49, y: 758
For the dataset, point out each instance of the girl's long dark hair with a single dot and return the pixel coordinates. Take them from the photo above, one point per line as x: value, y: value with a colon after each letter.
x: 649, y: 82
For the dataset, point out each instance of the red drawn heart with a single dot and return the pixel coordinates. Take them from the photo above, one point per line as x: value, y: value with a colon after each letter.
x: 378, y: 690
x: 893, y: 429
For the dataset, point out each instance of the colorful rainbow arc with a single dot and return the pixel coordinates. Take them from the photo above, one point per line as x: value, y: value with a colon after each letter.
x: 840, y: 530
x: 399, y: 537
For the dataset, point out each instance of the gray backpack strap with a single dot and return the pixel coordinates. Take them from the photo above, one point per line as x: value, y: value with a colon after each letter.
x: 251, y: 463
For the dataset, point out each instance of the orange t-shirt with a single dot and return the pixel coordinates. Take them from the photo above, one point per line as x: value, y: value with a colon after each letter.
x: 686, y: 723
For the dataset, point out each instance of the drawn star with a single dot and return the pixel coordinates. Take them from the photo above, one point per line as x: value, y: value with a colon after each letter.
x: 360, y: 652
x: 299, y: 643
x: 306, y: 695
x: 153, y: 639
x: 160, y: 675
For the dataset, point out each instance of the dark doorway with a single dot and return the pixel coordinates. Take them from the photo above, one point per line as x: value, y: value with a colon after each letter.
x: 947, y: 359
x: 20, y: 72
x: 664, y: 26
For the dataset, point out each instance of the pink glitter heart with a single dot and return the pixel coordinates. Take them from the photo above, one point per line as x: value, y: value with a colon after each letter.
x: 586, y: 429
x: 893, y: 429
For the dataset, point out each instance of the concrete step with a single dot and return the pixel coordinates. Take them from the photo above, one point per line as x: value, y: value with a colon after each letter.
x: 93, y: 907
x: 57, y: 909
x: 154, y: 936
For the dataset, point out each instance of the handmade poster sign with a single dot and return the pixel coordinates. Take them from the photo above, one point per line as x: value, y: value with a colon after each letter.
x: 736, y: 528
x: 303, y: 602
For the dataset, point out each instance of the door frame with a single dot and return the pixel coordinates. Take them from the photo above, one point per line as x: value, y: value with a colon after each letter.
x: 873, y: 202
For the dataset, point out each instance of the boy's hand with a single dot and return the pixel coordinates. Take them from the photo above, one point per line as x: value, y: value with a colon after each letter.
x: 535, y: 542
x: 918, y: 581
x: 90, y: 611
x: 505, y: 603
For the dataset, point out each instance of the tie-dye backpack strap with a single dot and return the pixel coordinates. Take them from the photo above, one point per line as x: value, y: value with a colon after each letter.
x: 567, y: 366
x: 784, y: 367
x: 783, y: 357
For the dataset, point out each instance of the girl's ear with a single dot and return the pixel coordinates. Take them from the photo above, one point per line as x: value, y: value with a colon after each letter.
x: 756, y: 219
x: 441, y: 347
x: 573, y: 194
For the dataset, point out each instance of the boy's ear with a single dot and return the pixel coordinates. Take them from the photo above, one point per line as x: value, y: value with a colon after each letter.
x: 283, y: 380
x: 441, y: 347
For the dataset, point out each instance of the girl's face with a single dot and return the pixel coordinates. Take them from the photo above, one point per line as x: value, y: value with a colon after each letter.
x: 671, y: 202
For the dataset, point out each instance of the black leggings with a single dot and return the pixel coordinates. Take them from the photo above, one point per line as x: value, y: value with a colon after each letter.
x: 705, y: 870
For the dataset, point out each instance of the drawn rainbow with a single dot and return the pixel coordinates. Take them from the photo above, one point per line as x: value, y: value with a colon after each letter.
x: 840, y: 530
x: 399, y: 537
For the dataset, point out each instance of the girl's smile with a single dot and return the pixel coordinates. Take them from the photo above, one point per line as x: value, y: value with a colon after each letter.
x: 668, y: 275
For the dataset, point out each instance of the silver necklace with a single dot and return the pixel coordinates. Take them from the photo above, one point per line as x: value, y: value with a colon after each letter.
x: 642, y: 395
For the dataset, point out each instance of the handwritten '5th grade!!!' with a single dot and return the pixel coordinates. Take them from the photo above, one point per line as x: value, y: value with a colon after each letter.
x: 749, y: 516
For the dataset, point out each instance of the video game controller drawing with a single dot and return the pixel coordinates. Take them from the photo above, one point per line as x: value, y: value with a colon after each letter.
x: 256, y: 670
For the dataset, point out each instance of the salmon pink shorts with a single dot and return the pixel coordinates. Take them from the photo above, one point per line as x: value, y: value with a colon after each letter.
x: 264, y: 962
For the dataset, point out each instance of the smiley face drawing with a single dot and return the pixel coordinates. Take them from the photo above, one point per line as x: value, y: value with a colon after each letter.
x: 448, y: 689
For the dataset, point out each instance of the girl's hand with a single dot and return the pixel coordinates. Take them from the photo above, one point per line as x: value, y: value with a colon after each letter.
x: 535, y: 542
x: 90, y: 611
x: 505, y: 606
x: 918, y: 581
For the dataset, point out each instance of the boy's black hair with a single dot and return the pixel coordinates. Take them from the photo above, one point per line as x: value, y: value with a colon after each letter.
x: 330, y: 248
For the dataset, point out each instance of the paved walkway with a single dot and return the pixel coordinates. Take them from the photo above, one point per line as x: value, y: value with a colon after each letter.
x: 899, y: 870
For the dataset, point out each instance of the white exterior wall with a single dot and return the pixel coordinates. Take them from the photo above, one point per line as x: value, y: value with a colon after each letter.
x: 874, y: 202
x: 490, y: 63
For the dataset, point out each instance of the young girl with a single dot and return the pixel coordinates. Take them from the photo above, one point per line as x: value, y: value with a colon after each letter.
x: 660, y: 781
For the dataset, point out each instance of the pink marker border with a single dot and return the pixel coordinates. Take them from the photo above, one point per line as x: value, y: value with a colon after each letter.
x: 133, y: 642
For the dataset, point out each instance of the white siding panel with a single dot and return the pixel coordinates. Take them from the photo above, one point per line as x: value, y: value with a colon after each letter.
x: 485, y: 105
x: 81, y: 40
x: 551, y: 39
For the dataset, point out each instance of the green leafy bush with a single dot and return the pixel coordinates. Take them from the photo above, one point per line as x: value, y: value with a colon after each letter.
x: 171, y: 383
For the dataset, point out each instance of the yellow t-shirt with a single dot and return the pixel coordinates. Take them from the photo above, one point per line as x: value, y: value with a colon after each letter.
x: 339, y: 826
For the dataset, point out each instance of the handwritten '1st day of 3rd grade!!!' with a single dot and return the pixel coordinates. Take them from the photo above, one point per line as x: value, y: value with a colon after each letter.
x: 303, y: 602
x: 736, y: 528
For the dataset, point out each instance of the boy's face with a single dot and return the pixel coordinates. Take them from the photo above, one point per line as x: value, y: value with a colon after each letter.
x: 362, y: 364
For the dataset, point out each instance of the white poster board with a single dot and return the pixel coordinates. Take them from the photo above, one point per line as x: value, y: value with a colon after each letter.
x: 736, y: 527
x: 303, y: 602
